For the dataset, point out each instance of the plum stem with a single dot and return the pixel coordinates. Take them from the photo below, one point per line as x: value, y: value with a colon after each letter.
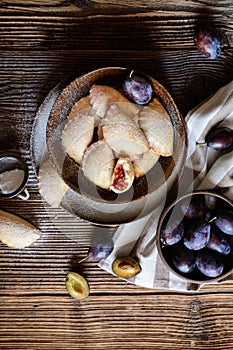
x: 131, y: 73
x: 201, y: 143
x: 82, y: 260
x: 211, y: 220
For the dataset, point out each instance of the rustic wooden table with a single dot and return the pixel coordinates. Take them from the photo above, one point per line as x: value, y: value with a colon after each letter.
x: 42, y: 42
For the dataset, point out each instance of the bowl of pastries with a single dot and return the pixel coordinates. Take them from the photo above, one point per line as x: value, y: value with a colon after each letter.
x: 118, y: 141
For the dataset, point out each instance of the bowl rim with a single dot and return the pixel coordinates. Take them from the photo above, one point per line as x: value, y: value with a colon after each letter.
x: 158, y: 243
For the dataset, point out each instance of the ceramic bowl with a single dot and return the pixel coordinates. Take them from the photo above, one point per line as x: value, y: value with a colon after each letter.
x: 216, y: 204
x: 106, y: 207
x: 12, y: 161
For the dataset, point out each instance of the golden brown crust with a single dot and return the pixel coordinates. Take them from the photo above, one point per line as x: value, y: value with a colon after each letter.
x: 51, y: 186
x: 102, y: 96
x: 16, y: 232
x: 122, y: 134
x: 77, y: 135
x: 157, y: 127
x: 81, y: 105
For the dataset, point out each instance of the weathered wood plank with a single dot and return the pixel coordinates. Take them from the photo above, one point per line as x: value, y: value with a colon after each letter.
x: 27, y: 78
x: 99, y: 6
x: 116, y: 323
x: 145, y: 31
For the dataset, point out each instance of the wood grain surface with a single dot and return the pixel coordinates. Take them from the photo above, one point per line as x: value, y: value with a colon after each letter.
x: 41, y: 43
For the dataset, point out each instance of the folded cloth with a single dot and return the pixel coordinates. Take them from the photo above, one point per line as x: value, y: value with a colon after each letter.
x: 210, y: 170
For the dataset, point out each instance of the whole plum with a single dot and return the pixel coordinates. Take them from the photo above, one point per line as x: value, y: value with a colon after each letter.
x: 137, y: 89
x: 219, y: 242
x: 210, y: 264
x: 197, y: 234
x: 224, y: 222
x: 195, y: 208
x: 207, y: 42
x: 220, y: 138
x: 100, y: 248
x: 172, y: 232
x: 210, y: 201
x: 183, y: 259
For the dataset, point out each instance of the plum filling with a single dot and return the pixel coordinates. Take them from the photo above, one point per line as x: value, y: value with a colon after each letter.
x: 119, y: 178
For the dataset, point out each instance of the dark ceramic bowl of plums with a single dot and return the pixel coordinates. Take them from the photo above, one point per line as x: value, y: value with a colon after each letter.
x: 195, y: 237
x: 99, y: 131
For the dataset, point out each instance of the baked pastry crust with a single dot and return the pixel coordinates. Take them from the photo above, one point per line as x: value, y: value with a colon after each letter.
x: 158, y: 128
x: 98, y: 163
x: 122, y: 134
x: 102, y: 96
x: 51, y: 186
x: 16, y: 232
x: 77, y: 135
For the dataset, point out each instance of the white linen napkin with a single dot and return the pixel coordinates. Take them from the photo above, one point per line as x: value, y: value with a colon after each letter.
x: 211, y: 169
